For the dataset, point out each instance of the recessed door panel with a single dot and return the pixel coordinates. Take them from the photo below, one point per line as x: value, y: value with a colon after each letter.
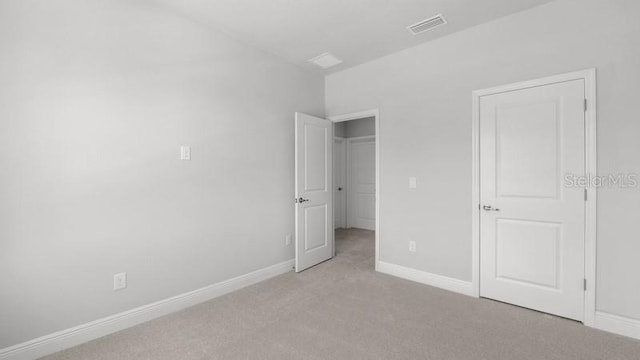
x: 528, y: 252
x: 315, y: 227
x: 528, y: 157
x: 315, y: 174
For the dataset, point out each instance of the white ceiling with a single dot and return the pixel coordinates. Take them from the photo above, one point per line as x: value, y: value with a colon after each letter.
x: 355, y: 31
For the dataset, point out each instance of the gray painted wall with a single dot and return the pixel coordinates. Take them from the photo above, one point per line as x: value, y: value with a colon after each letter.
x: 96, y: 98
x: 356, y: 128
x: 424, y: 97
x: 340, y: 129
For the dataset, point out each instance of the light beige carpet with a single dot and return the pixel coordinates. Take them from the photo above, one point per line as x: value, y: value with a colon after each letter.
x: 342, y: 309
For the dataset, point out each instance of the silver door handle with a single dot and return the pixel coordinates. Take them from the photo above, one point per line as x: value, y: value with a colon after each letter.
x: 489, y: 208
x: 301, y: 200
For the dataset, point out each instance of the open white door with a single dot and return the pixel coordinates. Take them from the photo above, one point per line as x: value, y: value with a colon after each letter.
x: 314, y: 187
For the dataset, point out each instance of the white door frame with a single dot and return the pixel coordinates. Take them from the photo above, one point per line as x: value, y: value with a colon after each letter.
x: 589, y: 77
x: 359, y: 115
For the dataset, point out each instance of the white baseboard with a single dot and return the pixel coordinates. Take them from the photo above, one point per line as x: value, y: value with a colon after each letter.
x: 64, y: 339
x: 603, y: 321
x: 439, y: 281
x: 617, y: 324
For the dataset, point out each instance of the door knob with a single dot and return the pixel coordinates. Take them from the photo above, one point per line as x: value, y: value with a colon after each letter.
x: 339, y: 189
x: 301, y: 200
x: 489, y: 208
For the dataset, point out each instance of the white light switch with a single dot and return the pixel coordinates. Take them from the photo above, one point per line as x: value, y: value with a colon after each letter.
x: 185, y: 153
x: 413, y: 183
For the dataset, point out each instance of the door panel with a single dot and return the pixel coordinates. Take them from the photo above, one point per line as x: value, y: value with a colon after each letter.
x: 532, y: 228
x: 314, y: 187
x: 315, y: 152
x: 362, y: 189
x: 528, y: 131
x: 528, y: 252
x: 315, y: 227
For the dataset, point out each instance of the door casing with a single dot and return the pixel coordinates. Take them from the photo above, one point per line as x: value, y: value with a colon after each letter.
x: 589, y: 77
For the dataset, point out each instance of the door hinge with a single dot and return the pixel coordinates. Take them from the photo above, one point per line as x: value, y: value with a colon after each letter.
x: 585, y: 105
x: 586, y: 197
x: 295, y: 200
x: 585, y: 284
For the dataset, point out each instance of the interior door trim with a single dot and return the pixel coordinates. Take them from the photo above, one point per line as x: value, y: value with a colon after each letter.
x: 589, y: 77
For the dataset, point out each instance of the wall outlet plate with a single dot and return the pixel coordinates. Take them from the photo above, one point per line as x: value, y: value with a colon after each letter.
x: 288, y: 240
x: 413, y: 183
x: 120, y: 281
x: 412, y: 246
x: 185, y: 152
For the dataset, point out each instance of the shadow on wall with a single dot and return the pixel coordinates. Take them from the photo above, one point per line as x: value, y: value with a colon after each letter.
x: 356, y: 128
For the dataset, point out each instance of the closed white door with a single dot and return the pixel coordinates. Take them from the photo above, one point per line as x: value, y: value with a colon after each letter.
x: 340, y: 182
x: 314, y: 190
x: 532, y: 226
x: 361, y: 207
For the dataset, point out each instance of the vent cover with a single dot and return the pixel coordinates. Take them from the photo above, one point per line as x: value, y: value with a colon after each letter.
x: 325, y: 60
x: 426, y: 25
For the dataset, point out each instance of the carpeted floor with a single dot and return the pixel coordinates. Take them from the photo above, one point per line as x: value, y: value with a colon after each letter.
x: 342, y: 309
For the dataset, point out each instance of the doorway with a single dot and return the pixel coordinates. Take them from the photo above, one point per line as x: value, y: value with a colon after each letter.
x: 534, y: 238
x: 355, y: 179
x: 315, y: 240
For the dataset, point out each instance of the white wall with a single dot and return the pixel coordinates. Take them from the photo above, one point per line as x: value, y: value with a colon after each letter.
x: 95, y: 99
x: 339, y: 129
x: 424, y: 98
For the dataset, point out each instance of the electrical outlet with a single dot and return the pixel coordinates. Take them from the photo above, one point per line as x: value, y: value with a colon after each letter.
x: 287, y: 240
x: 120, y: 281
x: 412, y: 246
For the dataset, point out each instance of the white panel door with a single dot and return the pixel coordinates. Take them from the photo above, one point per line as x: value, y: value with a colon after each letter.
x: 314, y: 190
x: 340, y: 182
x: 361, y: 207
x: 532, y: 228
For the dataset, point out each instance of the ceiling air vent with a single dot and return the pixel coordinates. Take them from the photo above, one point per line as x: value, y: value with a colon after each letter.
x: 325, y: 60
x: 426, y: 25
